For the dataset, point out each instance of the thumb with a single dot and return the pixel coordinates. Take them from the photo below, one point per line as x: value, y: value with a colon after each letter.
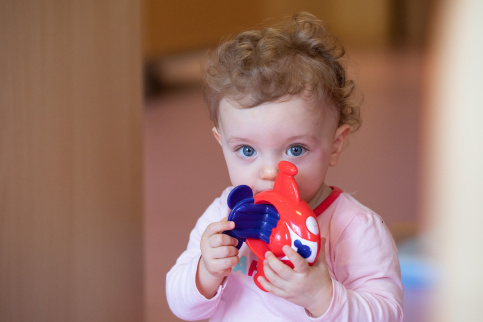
x: 321, y: 257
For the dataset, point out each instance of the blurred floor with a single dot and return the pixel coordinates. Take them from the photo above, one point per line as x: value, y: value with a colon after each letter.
x: 185, y: 171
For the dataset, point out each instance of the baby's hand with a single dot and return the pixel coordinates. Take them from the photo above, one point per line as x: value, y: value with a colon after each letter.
x: 218, y: 256
x: 304, y: 285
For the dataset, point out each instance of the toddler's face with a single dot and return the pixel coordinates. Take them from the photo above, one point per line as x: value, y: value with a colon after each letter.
x: 254, y: 140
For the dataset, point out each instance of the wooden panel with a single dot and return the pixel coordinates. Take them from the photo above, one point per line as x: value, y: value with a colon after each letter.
x: 174, y: 26
x: 70, y: 169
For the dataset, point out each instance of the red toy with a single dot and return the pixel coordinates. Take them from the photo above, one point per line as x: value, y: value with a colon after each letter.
x: 297, y: 225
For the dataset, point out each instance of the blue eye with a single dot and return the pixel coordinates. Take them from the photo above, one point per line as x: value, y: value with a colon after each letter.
x: 247, y: 151
x: 296, y: 151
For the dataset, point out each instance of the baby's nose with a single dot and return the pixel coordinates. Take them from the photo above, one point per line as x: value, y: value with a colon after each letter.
x: 269, y: 171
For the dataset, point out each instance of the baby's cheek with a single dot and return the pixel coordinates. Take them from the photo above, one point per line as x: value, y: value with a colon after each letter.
x: 309, y: 186
x: 308, y: 193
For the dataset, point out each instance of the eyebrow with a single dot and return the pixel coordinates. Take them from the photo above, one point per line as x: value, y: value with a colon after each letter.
x: 235, y: 140
x: 302, y: 137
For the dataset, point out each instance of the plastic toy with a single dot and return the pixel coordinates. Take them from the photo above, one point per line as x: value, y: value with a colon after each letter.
x: 274, y: 218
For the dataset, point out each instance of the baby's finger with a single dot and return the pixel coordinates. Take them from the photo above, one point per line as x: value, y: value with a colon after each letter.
x: 272, y: 277
x: 299, y: 263
x: 219, y: 227
x: 268, y: 286
x: 223, y: 266
x: 277, y: 266
x: 224, y: 252
x: 219, y: 240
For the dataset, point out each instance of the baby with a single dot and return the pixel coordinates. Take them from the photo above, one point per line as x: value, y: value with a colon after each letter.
x: 281, y: 94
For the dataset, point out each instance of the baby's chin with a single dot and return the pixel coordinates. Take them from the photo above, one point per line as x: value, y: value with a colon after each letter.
x: 315, y: 199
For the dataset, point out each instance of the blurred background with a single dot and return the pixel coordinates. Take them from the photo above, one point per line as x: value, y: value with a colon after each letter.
x: 107, y: 158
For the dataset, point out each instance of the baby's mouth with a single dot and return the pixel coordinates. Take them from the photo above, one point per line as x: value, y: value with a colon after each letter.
x: 262, y: 188
x: 306, y: 248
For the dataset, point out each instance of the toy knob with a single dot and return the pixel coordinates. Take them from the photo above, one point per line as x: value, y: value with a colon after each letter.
x: 285, y: 183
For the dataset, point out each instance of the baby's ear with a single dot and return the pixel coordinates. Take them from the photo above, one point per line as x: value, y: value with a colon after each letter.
x: 340, y: 141
x: 217, y: 134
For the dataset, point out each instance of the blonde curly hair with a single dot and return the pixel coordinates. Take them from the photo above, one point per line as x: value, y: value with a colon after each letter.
x: 270, y: 64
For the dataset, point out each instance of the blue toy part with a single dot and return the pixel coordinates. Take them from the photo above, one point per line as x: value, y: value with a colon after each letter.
x: 252, y: 220
x: 238, y: 194
x: 302, y: 249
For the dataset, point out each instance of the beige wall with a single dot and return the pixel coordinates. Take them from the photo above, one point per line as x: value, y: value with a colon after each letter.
x: 176, y: 26
x: 70, y: 161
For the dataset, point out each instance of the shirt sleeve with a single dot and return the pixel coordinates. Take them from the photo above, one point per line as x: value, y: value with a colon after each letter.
x: 366, y: 273
x: 184, y: 299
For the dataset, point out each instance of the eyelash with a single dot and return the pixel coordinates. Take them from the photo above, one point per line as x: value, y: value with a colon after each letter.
x: 247, y: 151
x: 242, y: 148
x: 304, y: 150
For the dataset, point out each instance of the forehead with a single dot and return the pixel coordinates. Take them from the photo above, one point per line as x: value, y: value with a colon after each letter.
x: 295, y: 114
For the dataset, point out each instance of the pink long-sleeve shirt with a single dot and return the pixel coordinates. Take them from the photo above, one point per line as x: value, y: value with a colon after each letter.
x: 361, y: 257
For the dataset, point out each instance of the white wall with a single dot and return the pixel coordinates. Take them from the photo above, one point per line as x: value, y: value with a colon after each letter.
x: 453, y: 160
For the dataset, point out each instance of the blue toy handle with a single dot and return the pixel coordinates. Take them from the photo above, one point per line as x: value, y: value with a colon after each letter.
x: 252, y: 220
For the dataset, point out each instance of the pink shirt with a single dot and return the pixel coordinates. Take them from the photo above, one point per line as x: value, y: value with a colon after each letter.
x: 361, y: 257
